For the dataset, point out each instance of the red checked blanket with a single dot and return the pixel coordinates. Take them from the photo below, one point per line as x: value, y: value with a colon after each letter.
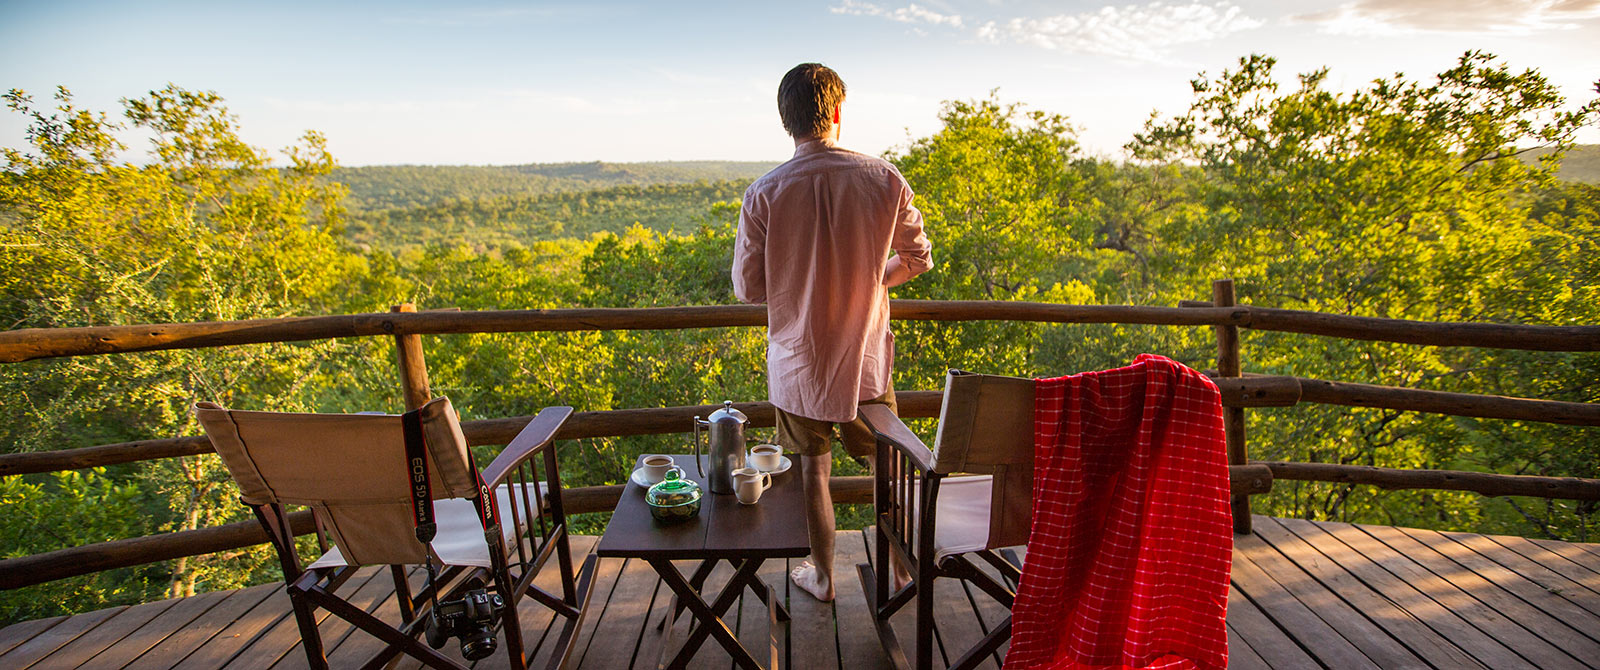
x: 1131, y: 544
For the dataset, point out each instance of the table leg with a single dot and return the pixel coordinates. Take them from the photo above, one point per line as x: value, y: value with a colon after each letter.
x: 698, y: 581
x: 709, y: 618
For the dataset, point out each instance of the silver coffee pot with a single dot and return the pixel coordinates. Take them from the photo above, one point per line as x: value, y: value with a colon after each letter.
x: 725, y: 428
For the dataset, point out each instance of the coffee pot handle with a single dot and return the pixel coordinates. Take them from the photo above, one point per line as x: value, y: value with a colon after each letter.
x: 698, y: 467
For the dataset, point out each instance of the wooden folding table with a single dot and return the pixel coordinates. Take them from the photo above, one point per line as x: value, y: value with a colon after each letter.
x: 743, y: 535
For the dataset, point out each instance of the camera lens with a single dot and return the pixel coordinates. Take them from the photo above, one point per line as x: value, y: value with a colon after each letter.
x: 478, y: 645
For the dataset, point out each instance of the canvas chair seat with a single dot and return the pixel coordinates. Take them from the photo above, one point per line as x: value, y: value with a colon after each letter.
x: 963, y: 513
x: 460, y: 539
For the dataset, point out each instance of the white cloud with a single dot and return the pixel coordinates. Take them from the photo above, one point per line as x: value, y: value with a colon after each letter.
x: 1388, y: 18
x: 1131, y: 31
x: 1135, y: 32
x: 908, y: 14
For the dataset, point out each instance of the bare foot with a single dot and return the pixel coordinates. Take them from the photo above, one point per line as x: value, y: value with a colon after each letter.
x: 900, y: 576
x: 808, y: 577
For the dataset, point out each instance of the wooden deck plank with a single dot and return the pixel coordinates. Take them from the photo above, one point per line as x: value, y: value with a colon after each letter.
x: 77, y: 653
x: 1426, y: 590
x: 342, y: 642
x: 990, y: 612
x: 1560, y: 608
x: 1366, y: 567
x: 15, y: 634
x: 284, y: 635
x: 1241, y: 656
x: 813, y: 637
x: 1280, y: 605
x: 1551, y: 561
x: 1274, y: 646
x: 620, y: 630
x: 859, y: 646
x: 47, y: 641
x: 1593, y: 550
x: 184, y: 641
x: 1531, y: 618
x: 1365, y: 635
x: 1394, y: 620
x: 1572, y: 552
x: 540, y: 626
x: 1546, y: 578
x: 753, y: 631
x: 654, y: 634
x: 957, y: 621
x: 239, y: 634
x: 605, y: 584
x: 174, y: 619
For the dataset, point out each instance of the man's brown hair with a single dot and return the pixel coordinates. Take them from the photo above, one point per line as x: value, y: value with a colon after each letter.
x: 807, y: 97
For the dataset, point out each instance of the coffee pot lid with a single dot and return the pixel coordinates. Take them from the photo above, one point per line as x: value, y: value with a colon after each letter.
x: 727, y: 412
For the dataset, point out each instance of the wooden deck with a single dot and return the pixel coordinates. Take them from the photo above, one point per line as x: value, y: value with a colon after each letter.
x: 1303, y: 595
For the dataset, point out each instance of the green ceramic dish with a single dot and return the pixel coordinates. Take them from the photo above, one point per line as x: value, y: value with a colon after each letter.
x: 674, y: 499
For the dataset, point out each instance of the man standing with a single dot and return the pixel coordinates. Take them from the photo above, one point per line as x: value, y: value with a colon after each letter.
x: 813, y: 244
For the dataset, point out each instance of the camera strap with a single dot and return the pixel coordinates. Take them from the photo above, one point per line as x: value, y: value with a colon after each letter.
x: 422, y: 485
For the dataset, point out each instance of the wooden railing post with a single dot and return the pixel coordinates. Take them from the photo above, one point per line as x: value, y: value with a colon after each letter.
x: 413, y: 368
x: 1232, y: 417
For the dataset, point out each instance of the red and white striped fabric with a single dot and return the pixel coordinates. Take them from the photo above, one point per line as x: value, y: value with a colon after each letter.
x: 1131, y: 545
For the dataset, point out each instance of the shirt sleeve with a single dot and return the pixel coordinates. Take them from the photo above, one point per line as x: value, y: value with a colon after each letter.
x: 910, y: 242
x: 750, y: 252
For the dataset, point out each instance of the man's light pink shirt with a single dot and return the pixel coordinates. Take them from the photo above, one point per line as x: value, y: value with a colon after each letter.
x: 814, y: 239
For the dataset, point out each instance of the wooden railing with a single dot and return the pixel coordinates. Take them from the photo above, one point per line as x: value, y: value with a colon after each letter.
x: 1239, y: 391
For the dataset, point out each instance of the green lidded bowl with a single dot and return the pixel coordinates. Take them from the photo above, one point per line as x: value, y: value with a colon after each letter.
x: 674, y: 499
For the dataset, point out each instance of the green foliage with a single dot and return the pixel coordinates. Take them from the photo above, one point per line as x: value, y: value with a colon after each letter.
x: 1403, y: 200
x: 417, y: 186
x: 208, y: 230
x: 525, y: 219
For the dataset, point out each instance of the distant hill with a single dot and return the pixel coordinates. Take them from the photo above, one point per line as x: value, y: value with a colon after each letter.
x: 523, y: 218
x: 1582, y: 163
x: 416, y: 186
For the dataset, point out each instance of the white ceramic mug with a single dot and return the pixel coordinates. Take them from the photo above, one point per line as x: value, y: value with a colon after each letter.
x: 656, y: 467
x: 766, y: 457
x: 749, y: 484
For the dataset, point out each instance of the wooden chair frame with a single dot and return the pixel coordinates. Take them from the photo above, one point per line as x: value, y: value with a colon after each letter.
x: 906, y: 484
x: 511, y: 574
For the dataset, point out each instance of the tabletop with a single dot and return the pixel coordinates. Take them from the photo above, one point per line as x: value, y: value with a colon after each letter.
x: 775, y: 527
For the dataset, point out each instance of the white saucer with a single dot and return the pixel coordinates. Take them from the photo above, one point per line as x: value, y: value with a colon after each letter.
x: 638, y: 478
x: 783, y: 466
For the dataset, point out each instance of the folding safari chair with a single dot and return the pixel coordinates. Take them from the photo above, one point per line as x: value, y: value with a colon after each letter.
x: 985, y: 428
x: 370, y: 481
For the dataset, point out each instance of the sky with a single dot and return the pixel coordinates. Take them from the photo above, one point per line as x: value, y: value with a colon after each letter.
x: 498, y: 83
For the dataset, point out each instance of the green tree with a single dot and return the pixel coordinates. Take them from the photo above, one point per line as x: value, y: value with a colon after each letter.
x: 1407, y: 200
x: 208, y: 229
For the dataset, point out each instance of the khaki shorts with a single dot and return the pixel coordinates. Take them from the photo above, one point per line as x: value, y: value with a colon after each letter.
x: 810, y: 437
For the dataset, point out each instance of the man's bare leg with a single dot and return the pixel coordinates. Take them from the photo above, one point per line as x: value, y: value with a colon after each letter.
x: 816, y: 575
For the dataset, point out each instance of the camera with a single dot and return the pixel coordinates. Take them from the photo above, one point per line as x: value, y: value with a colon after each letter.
x: 471, y: 618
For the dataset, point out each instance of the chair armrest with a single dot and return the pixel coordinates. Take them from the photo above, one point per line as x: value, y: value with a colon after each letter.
x: 539, y: 432
x: 882, y: 422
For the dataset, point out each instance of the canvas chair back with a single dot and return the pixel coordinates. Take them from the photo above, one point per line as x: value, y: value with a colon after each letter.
x: 349, y: 468
x: 986, y: 427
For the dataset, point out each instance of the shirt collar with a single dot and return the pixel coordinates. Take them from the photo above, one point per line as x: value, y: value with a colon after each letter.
x: 813, y: 146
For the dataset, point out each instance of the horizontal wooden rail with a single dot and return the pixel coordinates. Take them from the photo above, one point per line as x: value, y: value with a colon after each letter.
x: 1485, y: 483
x: 102, y: 556
x: 33, y: 343
x: 1445, y: 402
x: 608, y: 423
x: 99, y: 557
x: 1248, y: 391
